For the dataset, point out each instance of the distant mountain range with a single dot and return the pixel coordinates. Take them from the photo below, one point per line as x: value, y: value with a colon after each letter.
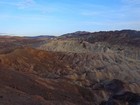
x: 42, y: 36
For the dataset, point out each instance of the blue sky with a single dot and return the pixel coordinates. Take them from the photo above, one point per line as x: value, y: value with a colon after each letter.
x: 56, y: 17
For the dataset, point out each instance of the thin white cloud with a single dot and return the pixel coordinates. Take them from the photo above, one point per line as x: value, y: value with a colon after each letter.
x: 90, y: 13
x: 26, y: 3
x: 29, y: 5
x: 131, y: 8
x: 24, y: 17
x: 19, y: 4
x: 104, y: 26
x: 7, y: 3
x: 112, y: 23
x: 131, y: 2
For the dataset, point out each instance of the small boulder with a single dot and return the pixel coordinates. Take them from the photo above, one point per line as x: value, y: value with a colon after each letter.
x: 113, y: 86
x: 131, y: 98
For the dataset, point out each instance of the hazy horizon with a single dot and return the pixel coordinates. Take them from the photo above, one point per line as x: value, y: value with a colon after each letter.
x: 53, y: 17
x: 8, y: 34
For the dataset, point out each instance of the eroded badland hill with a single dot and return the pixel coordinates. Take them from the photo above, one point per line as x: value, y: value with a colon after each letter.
x: 81, y: 68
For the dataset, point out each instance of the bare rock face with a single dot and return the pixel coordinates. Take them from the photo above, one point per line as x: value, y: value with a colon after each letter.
x: 131, y: 98
x: 125, y: 42
x: 114, y: 86
x: 17, y: 87
x: 110, y: 102
x: 80, y: 84
x: 119, y: 94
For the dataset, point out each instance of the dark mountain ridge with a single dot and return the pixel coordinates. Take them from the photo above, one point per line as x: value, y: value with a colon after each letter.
x: 126, y: 37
